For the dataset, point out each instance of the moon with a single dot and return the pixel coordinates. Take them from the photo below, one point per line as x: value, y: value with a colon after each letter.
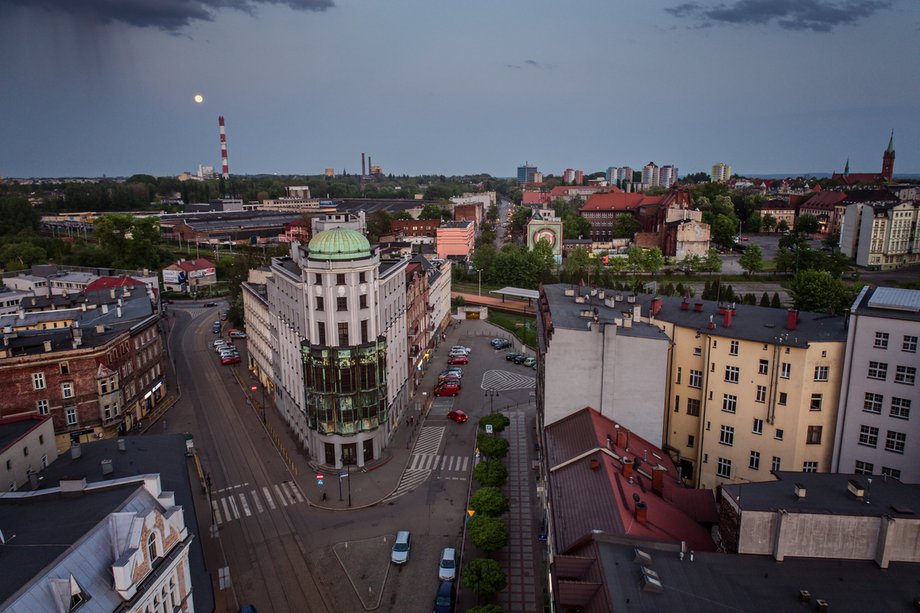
x: 198, y: 98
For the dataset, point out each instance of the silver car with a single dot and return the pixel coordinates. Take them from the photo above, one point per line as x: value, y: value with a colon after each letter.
x: 400, y: 553
x: 447, y: 569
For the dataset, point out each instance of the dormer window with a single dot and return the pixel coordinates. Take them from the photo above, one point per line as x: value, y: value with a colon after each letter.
x: 152, y: 547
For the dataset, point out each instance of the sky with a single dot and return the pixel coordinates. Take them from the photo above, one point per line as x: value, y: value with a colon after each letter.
x: 103, y: 87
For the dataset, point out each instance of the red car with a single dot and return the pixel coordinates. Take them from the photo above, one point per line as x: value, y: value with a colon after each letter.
x: 447, y: 389
x: 458, y: 416
x: 458, y: 359
x: 230, y: 359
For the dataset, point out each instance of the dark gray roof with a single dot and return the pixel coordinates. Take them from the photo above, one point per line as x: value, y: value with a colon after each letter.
x: 567, y: 313
x: 161, y: 453
x: 719, y: 582
x: 456, y: 224
x: 13, y: 430
x: 827, y: 493
x: 373, y: 205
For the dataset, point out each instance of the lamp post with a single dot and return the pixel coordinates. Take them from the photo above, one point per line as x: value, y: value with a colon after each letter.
x: 491, y: 395
x: 480, y: 282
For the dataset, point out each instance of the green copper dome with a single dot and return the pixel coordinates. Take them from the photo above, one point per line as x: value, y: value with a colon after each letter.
x: 339, y: 244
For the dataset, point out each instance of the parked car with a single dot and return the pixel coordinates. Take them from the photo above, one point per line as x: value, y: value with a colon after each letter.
x: 210, y: 304
x: 452, y: 378
x: 448, y: 388
x: 444, y: 601
x: 219, y: 343
x: 531, y: 361
x: 447, y: 568
x: 215, y: 327
x: 230, y: 359
x: 458, y: 416
x: 223, y: 315
x: 519, y: 358
x: 228, y: 351
x: 401, y: 546
x: 501, y: 343
x: 458, y: 359
x: 461, y: 348
x: 511, y: 355
x: 453, y: 370
x: 237, y: 334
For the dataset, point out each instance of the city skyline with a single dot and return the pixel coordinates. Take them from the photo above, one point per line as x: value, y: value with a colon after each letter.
x: 767, y: 87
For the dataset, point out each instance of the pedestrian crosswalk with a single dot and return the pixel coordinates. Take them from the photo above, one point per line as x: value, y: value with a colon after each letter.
x: 432, y: 461
x: 429, y: 440
x: 426, y: 459
x: 240, y: 501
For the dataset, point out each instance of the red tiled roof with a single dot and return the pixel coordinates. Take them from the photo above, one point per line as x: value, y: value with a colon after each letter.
x: 824, y: 200
x: 112, y: 282
x: 614, y: 201
x: 855, y: 178
x: 195, y: 264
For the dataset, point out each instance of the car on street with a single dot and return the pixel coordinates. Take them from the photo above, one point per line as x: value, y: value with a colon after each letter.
x: 458, y: 416
x: 511, y: 355
x: 237, y: 334
x: 501, y: 343
x: 210, y: 304
x: 458, y: 359
x: 447, y: 568
x: 444, y: 601
x: 531, y: 361
x: 453, y: 370
x: 230, y: 359
x: 215, y: 327
x: 219, y: 343
x: 461, y: 348
x: 449, y: 377
x: 448, y: 388
x: 401, y: 546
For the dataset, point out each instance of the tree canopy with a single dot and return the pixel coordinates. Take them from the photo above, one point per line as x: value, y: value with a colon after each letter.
x: 818, y: 291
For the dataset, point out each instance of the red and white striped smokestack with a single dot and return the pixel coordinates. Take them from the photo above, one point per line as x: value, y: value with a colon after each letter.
x: 224, y: 166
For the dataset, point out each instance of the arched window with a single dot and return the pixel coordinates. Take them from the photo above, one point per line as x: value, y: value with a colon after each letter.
x: 174, y: 595
x: 152, y: 547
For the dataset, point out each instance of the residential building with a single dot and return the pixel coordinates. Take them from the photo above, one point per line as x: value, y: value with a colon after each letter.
x: 650, y: 175
x: 473, y: 211
x: 750, y: 389
x: 456, y: 239
x: 721, y: 173
x: 486, y: 199
x: 670, y: 223
x: 879, y: 231
x: 568, y: 193
x: 544, y: 225
x: 190, y: 276
x: 356, y: 221
x: 415, y: 227
x: 259, y: 342
x: 298, y: 230
x: 878, y: 426
x: 618, y: 175
x: 26, y: 448
x: 667, y: 176
x: 439, y: 275
x: 10, y: 300
x: 526, y: 173
x: 417, y: 322
x: 595, y: 352
x: 602, y: 209
x: 784, y: 211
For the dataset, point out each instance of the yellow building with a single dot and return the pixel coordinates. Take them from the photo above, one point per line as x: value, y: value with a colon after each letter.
x: 750, y: 389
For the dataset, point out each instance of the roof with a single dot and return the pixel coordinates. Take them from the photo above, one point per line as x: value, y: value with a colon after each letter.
x: 14, y: 428
x: 614, y: 201
x: 855, y: 178
x: 827, y: 493
x: 463, y: 223
x: 588, y: 497
x: 824, y: 200
x: 517, y: 292
x: 339, y: 244
x: 193, y: 264
x: 113, y: 282
x: 897, y: 303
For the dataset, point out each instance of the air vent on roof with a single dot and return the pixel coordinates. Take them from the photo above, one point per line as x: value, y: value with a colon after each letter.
x: 642, y: 557
x: 650, y: 581
x: 800, y: 491
x: 804, y: 596
x: 856, y: 488
x: 822, y: 606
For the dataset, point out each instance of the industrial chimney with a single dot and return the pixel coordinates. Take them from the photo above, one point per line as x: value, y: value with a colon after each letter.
x: 224, y: 165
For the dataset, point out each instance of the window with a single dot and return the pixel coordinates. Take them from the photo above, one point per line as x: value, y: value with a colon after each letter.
x: 724, y: 468
x: 321, y: 330
x: 814, y: 435
x: 67, y: 389
x: 894, y: 473
x: 320, y: 304
x: 758, y: 426
x: 821, y: 373
x: 864, y: 468
x: 785, y: 369
x: 340, y: 279
x: 679, y: 373
x: 733, y: 348
x: 364, y: 333
x: 895, y: 441
x: 809, y: 467
x: 38, y: 380
x: 729, y: 403
x: 343, y: 332
x: 910, y: 344
x: 873, y: 403
x: 815, y: 402
x: 696, y: 379
x: 362, y: 277
x: 900, y: 408
x: 9, y: 464
x: 782, y: 398
x: 779, y: 434
x: 868, y: 436
x: 690, y: 441
x: 697, y: 351
x: 905, y: 375
x: 762, y: 367
x: 41, y: 439
x: 693, y: 407
x: 677, y: 404
x: 71, y: 415
x: 42, y: 407
x: 152, y: 546
x: 761, y: 395
x: 732, y: 374
x: 775, y: 464
x: 878, y: 370
x: 754, y: 462
x: 362, y: 301
x: 317, y: 279
x: 341, y: 303
x: 727, y: 436
x: 64, y: 368
x: 25, y: 450
x: 881, y: 340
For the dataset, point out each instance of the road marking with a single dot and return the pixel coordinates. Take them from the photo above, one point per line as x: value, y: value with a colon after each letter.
x: 255, y: 499
x: 281, y: 497
x: 502, y: 380
x: 466, y: 461
x: 245, y: 504
x: 410, y: 480
x: 268, y: 498
x: 236, y: 512
x: 223, y: 502
x: 216, y: 512
x: 295, y: 490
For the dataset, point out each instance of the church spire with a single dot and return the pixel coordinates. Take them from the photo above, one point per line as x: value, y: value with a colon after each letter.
x: 890, y: 148
x: 846, y: 169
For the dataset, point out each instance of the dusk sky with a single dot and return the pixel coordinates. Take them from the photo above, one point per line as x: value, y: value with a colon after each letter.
x: 93, y: 87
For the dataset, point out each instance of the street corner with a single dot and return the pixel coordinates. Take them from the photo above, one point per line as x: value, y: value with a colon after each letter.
x: 367, y: 564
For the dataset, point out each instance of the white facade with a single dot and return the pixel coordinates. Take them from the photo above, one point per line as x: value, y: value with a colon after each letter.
x: 487, y: 199
x: 650, y: 175
x: 667, y: 176
x: 721, y: 172
x: 259, y: 341
x: 29, y: 453
x: 881, y: 237
x: 439, y: 293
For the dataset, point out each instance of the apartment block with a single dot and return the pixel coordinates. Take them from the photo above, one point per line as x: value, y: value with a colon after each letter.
x: 879, y: 231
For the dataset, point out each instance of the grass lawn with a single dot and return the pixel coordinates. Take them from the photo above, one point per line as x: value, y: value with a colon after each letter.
x: 525, y: 328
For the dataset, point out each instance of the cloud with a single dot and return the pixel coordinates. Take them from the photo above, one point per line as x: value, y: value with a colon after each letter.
x: 169, y: 15
x: 527, y: 64
x: 814, y: 15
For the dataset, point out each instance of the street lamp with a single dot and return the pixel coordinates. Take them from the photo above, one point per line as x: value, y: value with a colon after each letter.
x: 491, y: 395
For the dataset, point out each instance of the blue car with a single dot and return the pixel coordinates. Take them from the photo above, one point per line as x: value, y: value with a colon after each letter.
x: 444, y: 602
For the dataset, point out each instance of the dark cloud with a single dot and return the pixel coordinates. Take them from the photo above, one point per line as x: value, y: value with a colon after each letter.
x: 531, y: 62
x: 814, y: 15
x: 170, y: 15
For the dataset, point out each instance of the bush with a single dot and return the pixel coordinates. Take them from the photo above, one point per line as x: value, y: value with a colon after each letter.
x: 484, y: 577
x: 489, y: 501
x: 486, y: 608
x: 499, y: 421
x: 491, y: 445
x: 490, y: 473
x: 488, y: 533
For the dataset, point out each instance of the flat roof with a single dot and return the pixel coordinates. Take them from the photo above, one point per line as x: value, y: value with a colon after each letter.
x: 13, y: 429
x: 517, y: 292
x: 894, y: 299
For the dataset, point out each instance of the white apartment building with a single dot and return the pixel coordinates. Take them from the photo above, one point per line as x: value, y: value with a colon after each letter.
x: 881, y: 234
x: 721, y: 172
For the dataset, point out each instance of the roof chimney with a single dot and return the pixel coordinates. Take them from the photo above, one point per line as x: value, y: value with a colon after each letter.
x: 711, y: 325
x: 121, y: 444
x: 698, y: 307
x: 118, y: 312
x: 622, y: 442
x: 727, y: 318
x: 107, y: 469
x: 792, y: 319
x: 642, y: 513
x: 637, y: 311
x: 75, y: 451
x: 658, y: 480
x: 684, y: 305
x: 656, y: 305
x: 105, y: 309
x: 628, y: 469
x: 47, y: 345
x: 73, y: 485
x: 800, y: 491
x: 112, y: 293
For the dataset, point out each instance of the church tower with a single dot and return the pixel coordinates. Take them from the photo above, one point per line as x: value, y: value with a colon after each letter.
x: 888, y: 159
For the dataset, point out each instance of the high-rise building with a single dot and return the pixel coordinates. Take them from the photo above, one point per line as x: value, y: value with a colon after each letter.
x: 721, y: 172
x: 667, y: 176
x: 525, y: 173
x: 650, y: 175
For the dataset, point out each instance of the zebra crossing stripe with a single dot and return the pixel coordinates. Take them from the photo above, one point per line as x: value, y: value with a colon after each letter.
x: 223, y: 502
x: 245, y: 504
x: 466, y: 462
x: 281, y: 497
x: 216, y: 512
x: 297, y: 496
x: 255, y: 499
x: 268, y: 498
x: 236, y: 512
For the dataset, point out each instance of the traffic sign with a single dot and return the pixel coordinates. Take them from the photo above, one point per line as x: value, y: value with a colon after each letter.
x: 343, y: 474
x: 471, y: 512
x: 488, y: 428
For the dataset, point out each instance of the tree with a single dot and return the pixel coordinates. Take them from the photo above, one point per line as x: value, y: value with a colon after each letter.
x: 575, y: 264
x: 378, y: 224
x: 753, y: 222
x: 724, y: 229
x: 499, y: 421
x: 489, y: 501
x: 487, y: 533
x: 625, y: 226
x: 752, y: 259
x: 15, y: 256
x: 817, y: 290
x: 768, y: 223
x: 543, y: 253
x: 652, y: 260
x: 765, y: 300
x: 484, y: 577
x: 486, y: 608
x: 490, y: 472
x: 775, y: 302
x: 16, y: 215
x: 782, y: 226
x: 712, y: 262
x: 431, y: 211
x: 807, y: 224
x: 492, y: 446
x: 401, y: 215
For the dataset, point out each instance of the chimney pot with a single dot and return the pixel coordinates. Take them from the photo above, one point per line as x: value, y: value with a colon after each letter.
x: 627, y: 469
x: 792, y: 319
x: 658, y: 481
x: 121, y: 444
x: 727, y: 319
x: 642, y: 513
x: 698, y: 307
